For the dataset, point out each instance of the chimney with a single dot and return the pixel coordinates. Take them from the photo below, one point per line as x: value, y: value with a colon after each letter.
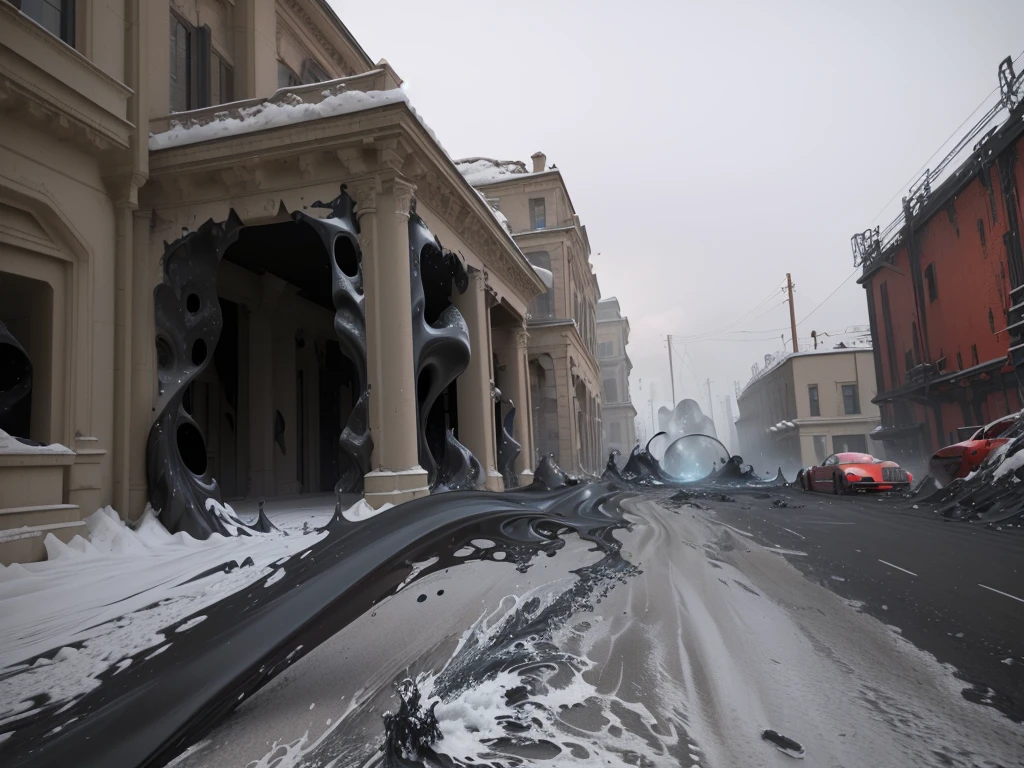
x: 539, y: 161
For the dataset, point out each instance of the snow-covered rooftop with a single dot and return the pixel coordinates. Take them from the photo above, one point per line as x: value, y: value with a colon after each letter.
x: 483, y: 170
x: 778, y: 359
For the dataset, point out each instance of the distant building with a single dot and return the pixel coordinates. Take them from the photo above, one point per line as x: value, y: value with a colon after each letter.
x: 565, y: 378
x: 945, y: 293
x: 806, y: 406
x: 618, y: 413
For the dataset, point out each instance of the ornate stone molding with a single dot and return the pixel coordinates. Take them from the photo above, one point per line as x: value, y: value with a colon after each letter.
x: 404, y: 192
x: 522, y: 339
x: 314, y: 29
x: 435, y: 192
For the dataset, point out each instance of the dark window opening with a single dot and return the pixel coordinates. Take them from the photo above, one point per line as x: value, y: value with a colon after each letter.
x: 908, y: 359
x: 286, y: 77
x: 812, y: 393
x: 929, y: 275
x: 851, y: 403
x: 538, y: 215
x: 313, y: 72
x: 182, y: 90
x: 222, y: 82
x: 981, y: 234
x: 959, y: 361
x: 991, y: 320
x: 974, y: 354
x: 55, y: 16
x: 850, y: 443
x: 611, y: 391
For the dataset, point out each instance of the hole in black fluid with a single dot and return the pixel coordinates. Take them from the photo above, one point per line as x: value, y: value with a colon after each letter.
x: 198, y: 352
x: 440, y: 592
x: 192, y: 448
x: 164, y: 353
x: 192, y: 303
x: 421, y: 598
x: 345, y: 256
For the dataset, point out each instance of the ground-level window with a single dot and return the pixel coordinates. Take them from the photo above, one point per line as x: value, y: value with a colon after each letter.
x: 851, y: 403
x: 26, y: 352
x: 820, y: 447
x: 56, y: 16
x: 850, y: 443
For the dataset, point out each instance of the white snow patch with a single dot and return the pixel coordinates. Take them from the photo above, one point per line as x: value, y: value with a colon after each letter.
x: 269, y: 115
x: 9, y: 445
x: 191, y: 623
x: 481, y: 170
x: 114, y: 597
x: 361, y: 510
x: 1009, y: 465
x: 276, y: 577
x: 545, y: 275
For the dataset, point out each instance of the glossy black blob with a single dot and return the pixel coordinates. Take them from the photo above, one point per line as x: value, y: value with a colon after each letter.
x: 176, y: 468
x: 339, y: 233
x: 421, y: 599
x: 783, y: 743
x: 441, y: 351
x: 508, y: 448
x: 15, y: 384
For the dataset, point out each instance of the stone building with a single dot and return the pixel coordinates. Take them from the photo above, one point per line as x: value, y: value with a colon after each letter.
x: 203, y: 309
x: 806, y: 406
x: 564, y: 372
x: 617, y: 411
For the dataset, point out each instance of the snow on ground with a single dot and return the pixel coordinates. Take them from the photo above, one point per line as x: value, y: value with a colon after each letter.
x: 362, y: 511
x: 270, y: 115
x: 95, y: 604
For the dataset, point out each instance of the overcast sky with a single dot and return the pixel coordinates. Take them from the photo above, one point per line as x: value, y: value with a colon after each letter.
x: 709, y: 147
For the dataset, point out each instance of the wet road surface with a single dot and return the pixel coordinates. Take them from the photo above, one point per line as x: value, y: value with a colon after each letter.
x: 954, y: 589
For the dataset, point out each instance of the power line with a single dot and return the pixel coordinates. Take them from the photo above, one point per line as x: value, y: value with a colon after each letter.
x: 683, y: 338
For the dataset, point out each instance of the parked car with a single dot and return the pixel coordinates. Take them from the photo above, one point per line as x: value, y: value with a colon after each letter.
x: 960, y: 459
x: 850, y: 472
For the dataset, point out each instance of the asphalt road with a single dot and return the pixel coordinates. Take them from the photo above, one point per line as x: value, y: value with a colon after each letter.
x: 953, y: 589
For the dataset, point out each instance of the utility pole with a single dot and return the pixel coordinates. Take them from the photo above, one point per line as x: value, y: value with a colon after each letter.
x: 711, y: 405
x: 654, y: 424
x: 792, y: 311
x: 671, y: 371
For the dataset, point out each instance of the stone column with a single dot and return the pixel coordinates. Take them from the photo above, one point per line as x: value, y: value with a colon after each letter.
x: 519, y: 374
x: 383, y: 211
x: 476, y: 406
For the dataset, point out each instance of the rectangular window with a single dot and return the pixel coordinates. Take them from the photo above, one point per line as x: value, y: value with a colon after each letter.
x: 851, y: 403
x: 850, y: 443
x: 616, y: 432
x: 182, y: 90
x: 286, y: 78
x: 222, y: 85
x: 605, y: 349
x: 929, y: 276
x: 611, y: 391
x: 55, y: 16
x: 820, y: 447
x: 812, y: 392
x: 974, y: 353
x: 538, y: 217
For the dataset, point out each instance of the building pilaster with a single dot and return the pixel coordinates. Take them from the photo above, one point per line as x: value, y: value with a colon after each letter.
x: 520, y: 375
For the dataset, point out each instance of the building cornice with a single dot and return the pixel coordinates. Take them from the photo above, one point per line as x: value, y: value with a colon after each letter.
x: 51, y: 85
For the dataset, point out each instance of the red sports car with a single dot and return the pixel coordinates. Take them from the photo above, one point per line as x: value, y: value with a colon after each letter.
x: 960, y: 459
x: 849, y: 472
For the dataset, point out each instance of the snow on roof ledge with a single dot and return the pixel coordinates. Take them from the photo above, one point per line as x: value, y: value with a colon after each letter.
x: 11, y: 445
x: 284, y: 110
x: 484, y: 170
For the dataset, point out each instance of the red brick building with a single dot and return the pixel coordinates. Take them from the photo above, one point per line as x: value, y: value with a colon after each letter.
x: 945, y: 293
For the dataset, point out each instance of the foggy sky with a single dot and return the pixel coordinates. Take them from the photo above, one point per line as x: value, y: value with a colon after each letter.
x: 709, y: 147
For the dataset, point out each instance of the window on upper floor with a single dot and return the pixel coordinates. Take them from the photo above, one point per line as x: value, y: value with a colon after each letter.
x: 222, y: 81
x: 313, y: 72
x: 611, y: 391
x: 538, y: 215
x: 615, y: 432
x: 286, y: 77
x: 812, y: 393
x: 183, y: 91
x: 56, y: 16
x: 605, y: 349
x: 851, y: 402
x: 929, y: 276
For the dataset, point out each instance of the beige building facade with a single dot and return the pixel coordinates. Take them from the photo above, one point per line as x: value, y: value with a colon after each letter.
x: 565, y: 374
x: 618, y: 413
x: 118, y: 146
x: 808, y: 406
